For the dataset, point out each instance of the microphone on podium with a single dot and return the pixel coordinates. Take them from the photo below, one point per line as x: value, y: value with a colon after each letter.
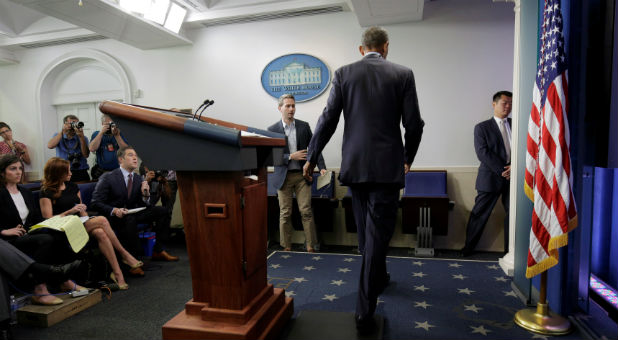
x: 201, y: 106
x: 208, y: 103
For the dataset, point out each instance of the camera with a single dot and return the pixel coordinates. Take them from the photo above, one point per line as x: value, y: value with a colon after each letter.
x: 76, y: 159
x: 111, y: 126
x: 77, y: 125
x: 161, y: 173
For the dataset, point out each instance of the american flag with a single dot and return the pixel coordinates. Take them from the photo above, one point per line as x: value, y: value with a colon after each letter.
x: 549, y: 181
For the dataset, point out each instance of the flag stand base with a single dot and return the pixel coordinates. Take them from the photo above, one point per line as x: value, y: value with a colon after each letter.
x: 542, y: 320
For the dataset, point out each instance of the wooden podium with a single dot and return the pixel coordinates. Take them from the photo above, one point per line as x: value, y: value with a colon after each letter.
x: 221, y: 175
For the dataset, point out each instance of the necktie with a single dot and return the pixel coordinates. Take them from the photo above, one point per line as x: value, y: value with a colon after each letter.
x: 129, y: 185
x: 505, y: 139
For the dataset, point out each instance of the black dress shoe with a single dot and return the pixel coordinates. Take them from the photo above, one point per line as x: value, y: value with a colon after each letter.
x: 365, y: 325
x: 64, y: 271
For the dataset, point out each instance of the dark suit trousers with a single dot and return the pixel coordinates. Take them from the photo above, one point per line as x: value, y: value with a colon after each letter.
x: 128, y: 233
x: 483, y: 206
x: 375, y: 212
x: 13, y: 263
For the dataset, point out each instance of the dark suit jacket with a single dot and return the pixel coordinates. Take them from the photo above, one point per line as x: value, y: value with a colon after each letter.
x: 111, y: 192
x: 9, y: 216
x: 490, y: 151
x: 375, y: 96
x: 303, y: 136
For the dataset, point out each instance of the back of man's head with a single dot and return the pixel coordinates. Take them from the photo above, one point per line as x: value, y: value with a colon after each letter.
x: 374, y: 37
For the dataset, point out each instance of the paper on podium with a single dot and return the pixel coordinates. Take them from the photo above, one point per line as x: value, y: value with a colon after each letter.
x: 324, y: 180
x: 71, y: 225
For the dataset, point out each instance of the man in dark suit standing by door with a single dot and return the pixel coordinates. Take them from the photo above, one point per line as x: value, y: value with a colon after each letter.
x: 492, y: 142
x: 288, y: 177
x: 375, y: 96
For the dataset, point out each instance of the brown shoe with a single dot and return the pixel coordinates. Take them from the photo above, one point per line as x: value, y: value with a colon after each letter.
x: 136, y: 271
x: 163, y: 256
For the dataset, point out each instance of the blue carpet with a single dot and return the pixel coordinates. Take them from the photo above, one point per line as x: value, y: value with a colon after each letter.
x: 427, y: 298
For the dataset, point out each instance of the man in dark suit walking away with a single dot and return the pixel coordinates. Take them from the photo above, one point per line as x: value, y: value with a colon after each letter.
x: 492, y: 142
x: 122, y: 189
x: 375, y: 96
x: 288, y: 177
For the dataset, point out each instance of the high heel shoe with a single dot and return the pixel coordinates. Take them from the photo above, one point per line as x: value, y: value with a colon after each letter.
x: 123, y: 286
x: 36, y: 300
x: 136, y: 269
x: 75, y: 287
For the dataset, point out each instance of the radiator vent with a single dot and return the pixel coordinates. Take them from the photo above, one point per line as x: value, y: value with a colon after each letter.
x: 63, y: 41
x: 272, y: 16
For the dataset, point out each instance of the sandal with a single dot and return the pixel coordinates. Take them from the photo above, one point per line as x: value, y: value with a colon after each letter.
x: 124, y: 286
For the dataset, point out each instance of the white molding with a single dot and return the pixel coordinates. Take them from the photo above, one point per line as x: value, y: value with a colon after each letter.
x: 507, y: 262
x: 44, y: 101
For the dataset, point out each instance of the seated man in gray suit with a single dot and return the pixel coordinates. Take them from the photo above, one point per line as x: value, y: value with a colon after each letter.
x: 288, y: 178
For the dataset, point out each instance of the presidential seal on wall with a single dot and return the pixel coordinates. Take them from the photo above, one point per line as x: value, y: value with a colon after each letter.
x: 302, y: 75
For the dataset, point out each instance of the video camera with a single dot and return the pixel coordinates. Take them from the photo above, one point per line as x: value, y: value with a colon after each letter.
x: 75, y: 158
x: 111, y: 126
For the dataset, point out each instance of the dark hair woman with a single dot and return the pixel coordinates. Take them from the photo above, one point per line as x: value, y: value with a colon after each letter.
x: 61, y: 197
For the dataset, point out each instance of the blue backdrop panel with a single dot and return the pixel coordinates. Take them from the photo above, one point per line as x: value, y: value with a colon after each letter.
x: 613, y: 247
x: 601, y: 222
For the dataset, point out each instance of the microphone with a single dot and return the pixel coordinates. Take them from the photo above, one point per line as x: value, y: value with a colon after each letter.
x: 205, y: 106
x: 198, y: 109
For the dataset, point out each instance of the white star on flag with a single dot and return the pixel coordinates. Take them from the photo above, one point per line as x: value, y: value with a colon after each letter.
x: 330, y: 298
x: 309, y: 268
x: 473, y: 308
x: 286, y: 256
x: 417, y: 263
x: 456, y: 265
x: 465, y: 291
x: 493, y: 266
x: 343, y: 270
x: 459, y: 277
x: 421, y: 288
x: 419, y: 274
x: 480, y: 329
x: 510, y: 293
x: 349, y: 259
x: 316, y: 258
x: 424, y: 325
x: 501, y: 278
x: 275, y: 266
x: 337, y: 282
x: 423, y: 304
x: 290, y: 293
x: 300, y: 279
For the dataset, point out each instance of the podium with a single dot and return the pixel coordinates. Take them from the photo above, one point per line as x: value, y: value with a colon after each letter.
x: 221, y: 174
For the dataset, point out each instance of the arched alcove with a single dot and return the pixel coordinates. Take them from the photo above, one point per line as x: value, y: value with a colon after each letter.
x: 82, y: 76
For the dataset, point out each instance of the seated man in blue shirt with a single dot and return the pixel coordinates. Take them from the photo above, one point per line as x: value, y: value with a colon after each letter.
x: 106, y: 143
x: 72, y: 145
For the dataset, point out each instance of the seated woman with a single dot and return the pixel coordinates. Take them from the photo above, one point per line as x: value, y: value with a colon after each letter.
x: 61, y: 197
x: 11, y: 146
x: 19, y: 212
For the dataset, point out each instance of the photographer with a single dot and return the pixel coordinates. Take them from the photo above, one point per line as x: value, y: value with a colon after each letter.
x: 106, y: 143
x: 72, y: 145
x: 157, y: 180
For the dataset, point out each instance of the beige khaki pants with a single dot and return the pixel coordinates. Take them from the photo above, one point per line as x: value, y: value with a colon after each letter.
x: 295, y: 183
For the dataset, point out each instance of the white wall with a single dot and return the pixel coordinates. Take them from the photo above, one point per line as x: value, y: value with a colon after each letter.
x: 461, y: 54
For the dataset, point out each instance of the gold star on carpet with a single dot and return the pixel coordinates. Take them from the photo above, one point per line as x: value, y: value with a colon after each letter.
x: 317, y: 258
x: 309, y: 268
x: 501, y: 278
x: 418, y: 263
x: 300, y: 279
x: 349, y: 259
x: 493, y: 266
x: 421, y: 288
x: 286, y: 256
x: 480, y: 329
x: 472, y: 308
x: 290, y: 293
x: 419, y: 274
x: 456, y: 265
x: 510, y: 293
x: 275, y: 266
x: 343, y: 270
x: 425, y: 325
x: 423, y: 304
x: 330, y: 298
x: 459, y: 277
x: 465, y: 291
x: 337, y: 282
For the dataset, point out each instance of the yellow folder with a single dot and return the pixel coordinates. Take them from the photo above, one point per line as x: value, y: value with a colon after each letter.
x: 71, y: 225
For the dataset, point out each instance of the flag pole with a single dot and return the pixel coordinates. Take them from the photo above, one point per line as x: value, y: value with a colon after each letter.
x: 542, y: 320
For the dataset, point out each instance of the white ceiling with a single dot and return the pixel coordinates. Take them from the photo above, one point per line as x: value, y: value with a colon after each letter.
x: 37, y: 23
